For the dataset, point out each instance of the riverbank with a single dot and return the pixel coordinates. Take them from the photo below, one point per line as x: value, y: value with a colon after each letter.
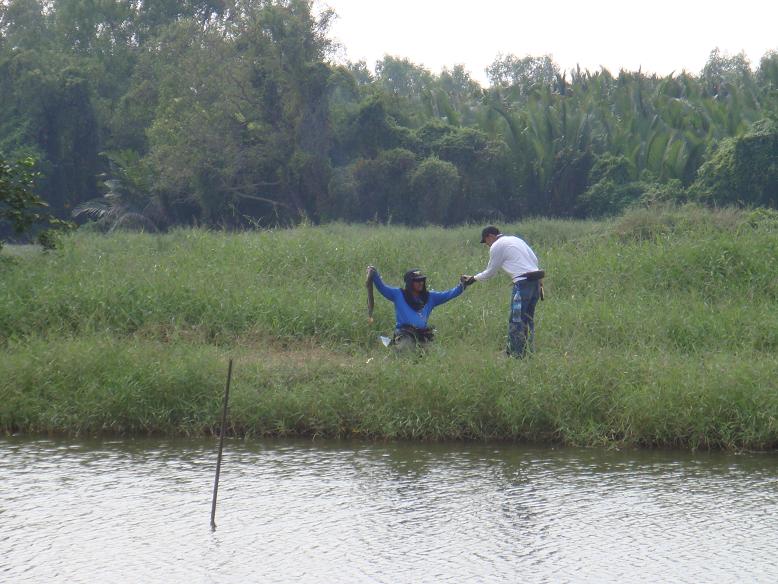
x: 659, y: 329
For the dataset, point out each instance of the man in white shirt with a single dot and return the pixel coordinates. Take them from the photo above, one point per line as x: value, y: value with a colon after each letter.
x: 513, y: 255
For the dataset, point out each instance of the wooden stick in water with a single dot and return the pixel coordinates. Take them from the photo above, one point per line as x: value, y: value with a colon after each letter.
x: 221, y: 446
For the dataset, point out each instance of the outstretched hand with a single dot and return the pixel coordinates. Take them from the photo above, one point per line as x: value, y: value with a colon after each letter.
x: 466, y: 280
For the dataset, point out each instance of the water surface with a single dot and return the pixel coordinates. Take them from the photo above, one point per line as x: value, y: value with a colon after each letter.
x: 302, y: 511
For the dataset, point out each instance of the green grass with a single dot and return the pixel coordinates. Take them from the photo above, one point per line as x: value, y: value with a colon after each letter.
x: 659, y: 329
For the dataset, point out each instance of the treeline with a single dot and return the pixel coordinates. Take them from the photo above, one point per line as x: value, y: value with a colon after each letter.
x: 234, y: 113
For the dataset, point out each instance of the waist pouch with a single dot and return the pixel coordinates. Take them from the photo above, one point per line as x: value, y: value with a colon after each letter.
x: 533, y: 275
x: 420, y: 334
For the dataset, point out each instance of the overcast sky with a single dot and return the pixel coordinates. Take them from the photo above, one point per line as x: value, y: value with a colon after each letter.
x: 660, y: 36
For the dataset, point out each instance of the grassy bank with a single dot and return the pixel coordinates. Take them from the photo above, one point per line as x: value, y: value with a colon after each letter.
x: 660, y: 329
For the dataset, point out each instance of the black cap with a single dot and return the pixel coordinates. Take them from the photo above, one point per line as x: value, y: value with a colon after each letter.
x: 414, y: 275
x: 491, y: 230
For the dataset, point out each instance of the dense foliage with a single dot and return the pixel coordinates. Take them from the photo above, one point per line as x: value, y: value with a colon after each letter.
x: 233, y: 112
x: 21, y: 210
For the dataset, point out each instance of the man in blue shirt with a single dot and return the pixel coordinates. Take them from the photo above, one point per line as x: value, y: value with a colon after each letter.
x: 412, y: 306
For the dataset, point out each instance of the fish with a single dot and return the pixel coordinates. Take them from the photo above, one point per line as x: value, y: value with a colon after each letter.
x: 370, y: 298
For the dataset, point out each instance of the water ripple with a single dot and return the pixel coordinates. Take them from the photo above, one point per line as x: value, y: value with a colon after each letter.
x: 295, y: 511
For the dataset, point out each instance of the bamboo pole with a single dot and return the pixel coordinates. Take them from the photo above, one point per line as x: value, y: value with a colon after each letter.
x: 221, y: 446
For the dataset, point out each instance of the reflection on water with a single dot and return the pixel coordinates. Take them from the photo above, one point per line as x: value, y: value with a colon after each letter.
x: 299, y: 511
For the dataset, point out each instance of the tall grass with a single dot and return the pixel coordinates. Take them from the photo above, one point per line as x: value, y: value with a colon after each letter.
x: 659, y: 329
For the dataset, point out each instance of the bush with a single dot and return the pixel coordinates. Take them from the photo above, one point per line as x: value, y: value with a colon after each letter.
x: 742, y: 171
x: 21, y: 207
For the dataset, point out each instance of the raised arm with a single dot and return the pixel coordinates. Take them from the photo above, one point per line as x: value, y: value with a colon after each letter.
x: 387, y: 292
x: 495, y: 262
x: 438, y: 298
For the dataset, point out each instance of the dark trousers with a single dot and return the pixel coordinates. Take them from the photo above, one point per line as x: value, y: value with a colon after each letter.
x: 521, y: 324
x: 407, y: 337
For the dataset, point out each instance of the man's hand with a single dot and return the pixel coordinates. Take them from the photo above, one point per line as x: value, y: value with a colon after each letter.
x: 370, y: 271
x: 466, y: 280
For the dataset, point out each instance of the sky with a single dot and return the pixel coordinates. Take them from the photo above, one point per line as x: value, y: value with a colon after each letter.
x: 659, y: 36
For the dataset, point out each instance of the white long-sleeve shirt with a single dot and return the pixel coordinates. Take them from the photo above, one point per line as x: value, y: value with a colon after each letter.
x: 513, y: 255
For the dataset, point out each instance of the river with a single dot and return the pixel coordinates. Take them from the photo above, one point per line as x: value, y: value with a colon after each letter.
x: 341, y: 511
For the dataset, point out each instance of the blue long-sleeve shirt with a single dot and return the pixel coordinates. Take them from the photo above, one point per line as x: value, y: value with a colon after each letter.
x: 404, y: 314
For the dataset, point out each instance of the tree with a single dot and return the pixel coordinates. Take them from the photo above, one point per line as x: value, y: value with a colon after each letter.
x: 20, y: 207
x: 612, y: 187
x: 742, y: 171
x: 128, y: 201
x: 722, y: 72
x: 240, y: 118
x: 403, y: 78
x: 243, y: 124
x: 370, y: 129
x: 523, y: 74
x: 46, y: 109
x: 435, y: 184
x: 457, y: 95
x: 483, y: 166
x: 23, y: 25
x: 767, y: 78
x: 383, y: 184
